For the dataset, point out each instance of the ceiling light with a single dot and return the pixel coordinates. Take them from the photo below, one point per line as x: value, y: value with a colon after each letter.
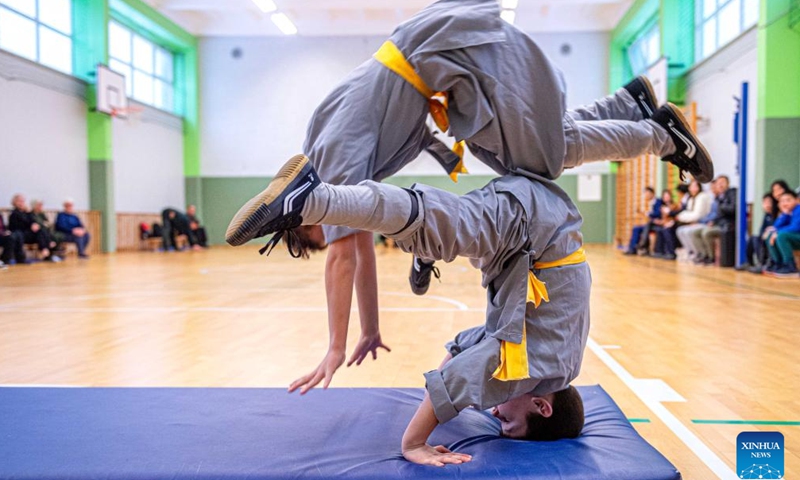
x: 284, y: 24
x: 508, y: 16
x: 509, y: 4
x: 266, y: 6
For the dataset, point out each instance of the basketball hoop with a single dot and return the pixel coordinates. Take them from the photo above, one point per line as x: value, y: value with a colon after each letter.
x: 125, y: 112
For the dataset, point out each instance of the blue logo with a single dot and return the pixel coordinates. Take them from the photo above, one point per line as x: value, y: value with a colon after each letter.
x: 759, y: 455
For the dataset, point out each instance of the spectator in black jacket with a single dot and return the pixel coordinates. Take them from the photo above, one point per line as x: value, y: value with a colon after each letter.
x: 12, y: 244
x: 721, y: 220
x: 22, y: 220
x: 176, y: 223
x: 757, y: 254
x: 194, y: 224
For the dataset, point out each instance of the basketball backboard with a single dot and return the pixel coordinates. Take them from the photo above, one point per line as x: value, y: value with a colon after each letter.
x: 111, y: 97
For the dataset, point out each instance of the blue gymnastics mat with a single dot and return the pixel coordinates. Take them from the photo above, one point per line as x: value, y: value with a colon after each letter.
x: 224, y: 433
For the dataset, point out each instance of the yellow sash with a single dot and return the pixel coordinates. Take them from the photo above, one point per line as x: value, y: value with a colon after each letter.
x: 392, y: 58
x: 514, y: 356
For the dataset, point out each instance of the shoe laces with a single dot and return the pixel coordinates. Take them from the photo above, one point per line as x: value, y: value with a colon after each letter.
x: 684, y: 166
x: 435, y: 271
x: 284, y: 230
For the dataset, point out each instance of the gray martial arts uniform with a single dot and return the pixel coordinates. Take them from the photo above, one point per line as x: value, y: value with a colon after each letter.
x: 504, y: 229
x: 505, y: 99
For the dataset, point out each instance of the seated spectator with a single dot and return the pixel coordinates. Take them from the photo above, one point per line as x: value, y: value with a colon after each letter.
x: 37, y: 208
x: 195, y: 225
x: 22, y: 220
x: 667, y: 206
x: 698, y: 206
x: 778, y: 188
x: 176, y: 223
x: 639, y: 236
x: 71, y: 228
x: 783, y: 238
x: 757, y: 254
x: 13, y: 246
x: 720, y: 220
x: 666, y: 238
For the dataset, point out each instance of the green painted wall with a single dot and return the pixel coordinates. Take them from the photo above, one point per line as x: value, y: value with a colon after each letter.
x: 90, y: 49
x: 101, y: 197
x: 778, y: 123
x: 223, y: 196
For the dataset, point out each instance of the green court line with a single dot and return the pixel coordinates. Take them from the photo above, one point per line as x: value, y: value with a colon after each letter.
x: 639, y: 420
x: 746, y: 422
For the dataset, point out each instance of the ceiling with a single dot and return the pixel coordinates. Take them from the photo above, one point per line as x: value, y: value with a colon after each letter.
x: 372, y: 17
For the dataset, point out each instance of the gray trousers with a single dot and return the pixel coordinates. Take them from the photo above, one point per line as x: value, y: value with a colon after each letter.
x: 451, y: 231
x: 706, y: 242
x: 612, y: 128
x: 689, y: 236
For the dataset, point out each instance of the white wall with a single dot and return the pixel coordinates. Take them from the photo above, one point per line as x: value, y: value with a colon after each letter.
x: 43, y: 152
x: 255, y: 109
x: 148, y: 162
x: 713, y: 84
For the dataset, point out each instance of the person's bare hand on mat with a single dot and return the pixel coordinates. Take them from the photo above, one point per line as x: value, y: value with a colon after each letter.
x: 332, y: 361
x: 437, y: 456
x: 368, y: 343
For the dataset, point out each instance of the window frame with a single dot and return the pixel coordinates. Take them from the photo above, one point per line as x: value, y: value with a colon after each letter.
x: 154, y: 76
x: 652, y: 29
x: 701, y: 20
x: 39, y: 25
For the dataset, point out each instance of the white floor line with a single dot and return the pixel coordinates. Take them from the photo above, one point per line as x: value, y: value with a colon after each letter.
x: 456, y: 303
x: 712, y: 461
x: 37, y: 385
x: 220, y: 309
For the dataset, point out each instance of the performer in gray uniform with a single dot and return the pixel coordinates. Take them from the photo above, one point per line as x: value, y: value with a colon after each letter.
x: 501, y: 96
x: 523, y: 233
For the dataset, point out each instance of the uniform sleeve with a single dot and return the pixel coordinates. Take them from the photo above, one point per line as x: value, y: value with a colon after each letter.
x: 466, y: 339
x: 466, y: 381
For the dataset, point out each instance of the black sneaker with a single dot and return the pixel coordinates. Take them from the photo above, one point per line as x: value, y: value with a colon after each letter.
x: 420, y: 276
x: 690, y: 155
x: 642, y: 91
x: 276, y: 209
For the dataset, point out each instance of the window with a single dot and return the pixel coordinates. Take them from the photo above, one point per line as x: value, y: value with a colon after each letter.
x: 39, y: 30
x: 148, y: 68
x: 721, y: 21
x: 645, y: 51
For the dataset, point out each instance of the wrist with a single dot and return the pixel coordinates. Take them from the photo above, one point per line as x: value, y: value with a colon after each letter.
x: 337, y: 347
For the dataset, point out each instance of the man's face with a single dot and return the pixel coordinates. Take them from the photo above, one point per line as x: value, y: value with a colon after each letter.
x: 787, y: 204
x: 68, y: 207
x: 513, y: 414
x: 19, y: 202
x: 722, y: 185
x: 191, y: 210
x: 37, y: 207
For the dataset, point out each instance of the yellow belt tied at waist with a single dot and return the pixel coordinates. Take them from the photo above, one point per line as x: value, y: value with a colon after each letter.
x: 514, y: 356
x: 392, y: 58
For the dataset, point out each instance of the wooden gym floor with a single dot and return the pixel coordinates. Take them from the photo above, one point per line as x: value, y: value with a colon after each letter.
x: 693, y: 355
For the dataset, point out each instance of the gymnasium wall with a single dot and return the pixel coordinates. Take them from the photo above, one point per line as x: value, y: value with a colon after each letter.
x: 713, y: 84
x: 148, y: 162
x: 255, y: 109
x: 42, y: 134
